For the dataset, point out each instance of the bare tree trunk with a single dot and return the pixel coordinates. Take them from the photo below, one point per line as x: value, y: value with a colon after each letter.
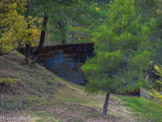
x: 36, y: 52
x: 62, y: 28
x: 27, y: 53
x: 105, y: 107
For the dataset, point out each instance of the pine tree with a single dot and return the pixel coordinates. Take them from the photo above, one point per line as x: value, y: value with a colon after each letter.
x: 152, y: 9
x: 121, y: 47
x: 50, y: 11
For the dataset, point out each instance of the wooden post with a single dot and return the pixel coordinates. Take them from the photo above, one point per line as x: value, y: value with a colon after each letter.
x: 2, y: 100
x: 20, y: 101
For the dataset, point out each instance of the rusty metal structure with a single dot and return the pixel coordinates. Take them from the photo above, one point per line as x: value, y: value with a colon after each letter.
x: 66, y: 60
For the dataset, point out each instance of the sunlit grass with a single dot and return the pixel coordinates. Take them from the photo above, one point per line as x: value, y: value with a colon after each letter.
x: 145, y: 109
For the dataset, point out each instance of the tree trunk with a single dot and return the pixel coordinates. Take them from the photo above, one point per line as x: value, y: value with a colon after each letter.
x: 27, y: 53
x: 62, y: 28
x: 28, y: 43
x: 105, y: 107
x: 36, y: 52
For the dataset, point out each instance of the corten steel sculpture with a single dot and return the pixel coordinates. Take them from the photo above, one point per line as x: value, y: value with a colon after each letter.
x: 65, y: 60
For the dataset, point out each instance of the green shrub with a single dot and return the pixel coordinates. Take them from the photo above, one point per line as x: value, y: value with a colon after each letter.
x: 8, y: 80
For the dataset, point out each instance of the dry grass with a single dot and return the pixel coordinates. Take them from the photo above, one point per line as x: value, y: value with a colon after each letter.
x: 35, y: 80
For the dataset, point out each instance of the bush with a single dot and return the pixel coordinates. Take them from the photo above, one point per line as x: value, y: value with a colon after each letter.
x: 157, y: 85
x: 5, y: 81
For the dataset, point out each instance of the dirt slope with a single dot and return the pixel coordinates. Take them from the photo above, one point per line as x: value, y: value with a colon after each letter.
x: 47, y: 98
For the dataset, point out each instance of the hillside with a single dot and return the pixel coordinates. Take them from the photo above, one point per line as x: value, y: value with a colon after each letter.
x: 50, y: 98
